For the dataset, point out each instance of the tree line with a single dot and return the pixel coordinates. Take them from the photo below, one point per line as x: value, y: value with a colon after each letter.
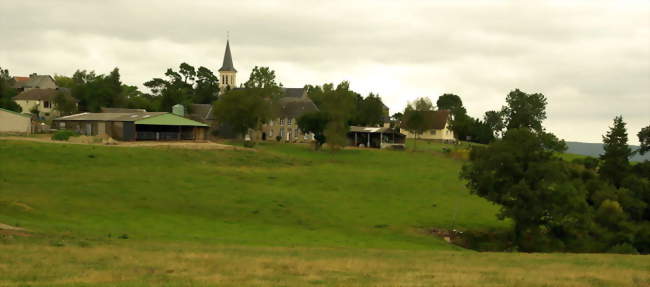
x: 586, y: 205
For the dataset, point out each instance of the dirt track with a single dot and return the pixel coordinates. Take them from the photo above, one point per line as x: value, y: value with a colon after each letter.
x: 204, y: 145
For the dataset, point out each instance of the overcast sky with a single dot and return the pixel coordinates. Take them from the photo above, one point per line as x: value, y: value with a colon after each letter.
x: 590, y: 58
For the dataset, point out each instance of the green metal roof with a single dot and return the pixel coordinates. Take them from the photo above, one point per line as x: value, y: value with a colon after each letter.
x: 24, y: 115
x: 169, y: 120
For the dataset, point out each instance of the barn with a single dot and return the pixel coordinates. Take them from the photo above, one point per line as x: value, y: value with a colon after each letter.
x: 134, y: 126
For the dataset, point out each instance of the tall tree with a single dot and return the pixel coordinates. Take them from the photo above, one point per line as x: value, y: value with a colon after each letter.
x: 644, y: 139
x: 242, y: 110
x: 418, y: 117
x: 523, y: 175
x: 615, y: 160
x: 370, y: 111
x: 524, y: 110
x: 451, y: 102
x: 494, y: 120
x: 314, y: 123
x: 206, y: 89
x: 95, y: 91
x: 7, y: 92
x: 339, y: 105
x: 185, y: 86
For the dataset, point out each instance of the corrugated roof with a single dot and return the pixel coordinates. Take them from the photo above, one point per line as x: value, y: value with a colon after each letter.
x: 372, y: 130
x: 114, y: 117
x: 17, y: 113
x: 121, y: 110
x: 168, y: 119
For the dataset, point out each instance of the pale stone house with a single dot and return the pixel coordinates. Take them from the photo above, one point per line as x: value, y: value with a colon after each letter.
x: 440, y: 132
x: 294, y: 104
x: 41, y: 100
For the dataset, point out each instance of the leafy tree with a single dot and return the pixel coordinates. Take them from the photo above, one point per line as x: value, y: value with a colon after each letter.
x: 96, y: 91
x: 317, y: 93
x: 314, y: 123
x: 615, y: 161
x: 370, y: 111
x: 339, y: 105
x: 65, y: 104
x: 644, y: 139
x: 524, y: 110
x: 185, y: 86
x: 418, y: 117
x: 494, y: 119
x: 242, y: 110
x: 7, y: 92
x: 522, y: 174
x: 63, y: 81
x: 453, y: 103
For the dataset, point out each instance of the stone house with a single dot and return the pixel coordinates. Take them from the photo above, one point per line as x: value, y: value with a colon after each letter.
x: 294, y: 104
x: 41, y: 100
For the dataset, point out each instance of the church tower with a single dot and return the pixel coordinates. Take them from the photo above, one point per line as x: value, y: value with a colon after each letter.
x: 227, y: 73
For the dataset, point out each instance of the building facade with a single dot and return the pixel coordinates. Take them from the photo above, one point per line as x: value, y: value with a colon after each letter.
x: 42, y: 101
x: 440, y: 131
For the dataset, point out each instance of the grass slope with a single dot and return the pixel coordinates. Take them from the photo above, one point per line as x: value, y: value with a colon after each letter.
x: 284, y: 195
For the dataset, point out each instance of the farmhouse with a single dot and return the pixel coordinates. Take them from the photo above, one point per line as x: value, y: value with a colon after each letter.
x: 134, y: 126
x: 42, y: 100
x: 294, y: 104
x: 376, y: 137
x: 440, y: 129
x: 13, y: 122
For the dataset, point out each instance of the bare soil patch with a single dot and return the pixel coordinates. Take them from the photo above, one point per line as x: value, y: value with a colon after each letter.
x: 199, y: 145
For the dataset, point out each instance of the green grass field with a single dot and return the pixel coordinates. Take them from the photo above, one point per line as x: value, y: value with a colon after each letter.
x: 282, y: 215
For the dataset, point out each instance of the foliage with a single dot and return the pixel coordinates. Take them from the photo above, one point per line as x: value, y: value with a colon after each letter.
x: 524, y: 110
x: 644, y: 139
x: 63, y: 135
x: 314, y: 123
x: 494, y: 120
x: 615, y: 160
x: 185, y: 86
x: 242, y: 110
x: 368, y: 111
x: 65, y: 104
x: 418, y: 117
x: 453, y: 103
x: 522, y: 174
x: 95, y: 91
x: 7, y: 92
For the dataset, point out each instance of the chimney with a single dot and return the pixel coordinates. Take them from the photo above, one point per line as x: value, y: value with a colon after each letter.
x: 32, y: 75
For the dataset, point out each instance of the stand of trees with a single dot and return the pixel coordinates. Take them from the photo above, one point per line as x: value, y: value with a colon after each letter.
x: 7, y: 92
x: 589, y: 205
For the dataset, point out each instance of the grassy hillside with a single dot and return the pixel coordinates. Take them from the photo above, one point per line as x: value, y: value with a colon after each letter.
x: 280, y: 195
x: 279, y: 216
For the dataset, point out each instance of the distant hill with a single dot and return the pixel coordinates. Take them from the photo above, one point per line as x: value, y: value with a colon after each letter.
x: 596, y: 149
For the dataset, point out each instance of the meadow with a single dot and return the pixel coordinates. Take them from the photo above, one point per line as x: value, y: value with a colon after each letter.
x: 282, y: 215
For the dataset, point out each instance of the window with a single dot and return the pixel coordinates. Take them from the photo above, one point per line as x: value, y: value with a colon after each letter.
x: 281, y: 132
x: 289, y: 122
x: 271, y: 133
x: 46, y: 104
x: 281, y: 121
x: 306, y: 136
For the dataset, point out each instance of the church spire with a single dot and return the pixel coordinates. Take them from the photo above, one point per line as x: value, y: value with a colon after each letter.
x: 227, y: 60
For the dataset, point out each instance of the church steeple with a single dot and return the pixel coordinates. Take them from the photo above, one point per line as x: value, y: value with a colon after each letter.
x: 227, y: 60
x: 227, y: 73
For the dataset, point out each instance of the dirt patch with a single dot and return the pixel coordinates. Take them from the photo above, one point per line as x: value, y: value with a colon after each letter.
x: 8, y: 231
x: 86, y: 140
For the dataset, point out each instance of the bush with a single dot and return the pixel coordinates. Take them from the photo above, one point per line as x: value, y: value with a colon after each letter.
x: 278, y: 138
x: 249, y: 144
x: 624, y: 248
x: 63, y: 135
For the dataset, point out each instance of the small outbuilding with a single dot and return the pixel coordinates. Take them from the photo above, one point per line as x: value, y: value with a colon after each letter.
x: 13, y: 122
x: 376, y: 137
x: 138, y: 126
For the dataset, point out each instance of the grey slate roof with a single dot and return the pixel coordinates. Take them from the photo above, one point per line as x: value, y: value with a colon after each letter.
x: 43, y: 94
x: 227, y: 61
x: 294, y: 92
x: 111, y: 117
x: 201, y: 112
x: 291, y: 107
